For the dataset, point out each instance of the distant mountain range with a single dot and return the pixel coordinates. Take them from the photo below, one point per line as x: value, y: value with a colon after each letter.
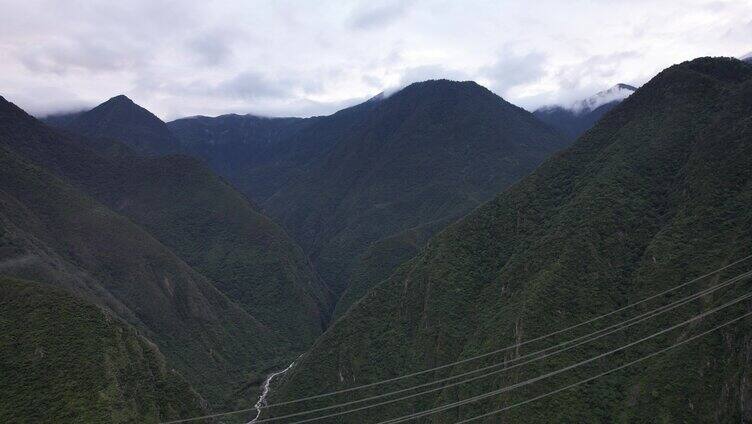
x: 360, y: 190
x: 575, y: 119
x: 363, y: 189
x: 170, y: 249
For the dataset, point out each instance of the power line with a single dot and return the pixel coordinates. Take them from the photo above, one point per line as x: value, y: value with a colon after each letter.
x: 581, y: 340
x: 628, y: 364
x: 560, y: 370
x: 515, y: 346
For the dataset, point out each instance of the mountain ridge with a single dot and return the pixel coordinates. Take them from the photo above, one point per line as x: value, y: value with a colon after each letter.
x: 436, y: 148
x: 154, y: 193
x: 60, y: 353
x: 122, y: 119
x: 652, y: 196
x: 575, y: 119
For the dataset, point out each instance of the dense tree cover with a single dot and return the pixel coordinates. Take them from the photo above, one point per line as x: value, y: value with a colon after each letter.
x: 429, y: 153
x: 205, y: 221
x: 65, y: 360
x: 121, y: 119
x: 570, y: 122
x: 53, y: 233
x: 353, y: 187
x: 262, y: 155
x: 658, y: 192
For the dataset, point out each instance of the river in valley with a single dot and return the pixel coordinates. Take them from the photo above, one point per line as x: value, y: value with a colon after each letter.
x: 265, y: 391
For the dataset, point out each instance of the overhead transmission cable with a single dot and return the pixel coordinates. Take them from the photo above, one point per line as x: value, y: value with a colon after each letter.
x: 543, y: 353
x: 515, y: 346
x: 527, y: 382
x: 597, y: 376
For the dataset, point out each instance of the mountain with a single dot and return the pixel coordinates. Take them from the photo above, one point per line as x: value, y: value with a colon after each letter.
x: 262, y: 155
x: 415, y: 161
x: 121, y: 119
x: 747, y: 58
x: 59, y: 353
x: 580, y: 116
x: 654, y: 195
x: 59, y: 227
x: 202, y: 219
x: 61, y: 120
x: 53, y: 233
x: 361, y: 190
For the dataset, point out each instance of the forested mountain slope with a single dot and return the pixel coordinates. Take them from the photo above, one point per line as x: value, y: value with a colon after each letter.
x: 121, y: 119
x: 362, y: 189
x: 64, y: 360
x: 262, y: 155
x: 425, y: 155
x: 657, y: 193
x: 200, y: 217
x: 51, y: 232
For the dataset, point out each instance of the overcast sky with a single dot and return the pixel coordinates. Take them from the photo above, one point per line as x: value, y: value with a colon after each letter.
x: 302, y: 58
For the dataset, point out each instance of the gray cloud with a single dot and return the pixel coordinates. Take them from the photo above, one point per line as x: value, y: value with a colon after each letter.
x: 374, y: 15
x: 63, y: 56
x: 305, y: 58
x: 210, y: 49
x: 427, y: 72
x: 512, y: 69
x: 596, y: 67
x: 254, y: 85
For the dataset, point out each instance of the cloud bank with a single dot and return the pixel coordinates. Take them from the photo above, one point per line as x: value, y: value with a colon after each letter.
x: 281, y: 58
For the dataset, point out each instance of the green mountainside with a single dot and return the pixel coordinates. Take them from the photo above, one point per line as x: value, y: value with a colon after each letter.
x: 67, y: 361
x: 121, y: 119
x: 262, y: 155
x: 362, y: 189
x: 51, y: 232
x: 657, y: 193
x: 216, y: 231
x: 200, y: 217
x: 428, y: 154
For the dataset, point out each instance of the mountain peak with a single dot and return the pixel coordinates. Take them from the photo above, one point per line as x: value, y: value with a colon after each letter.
x: 10, y: 111
x: 445, y: 84
x: 120, y: 99
x: 122, y: 119
x: 625, y: 87
x: 618, y: 92
x: 440, y: 91
x: 578, y: 117
x: 431, y: 85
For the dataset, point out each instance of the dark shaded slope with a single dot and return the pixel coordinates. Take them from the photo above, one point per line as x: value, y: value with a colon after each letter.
x: 425, y: 155
x: 199, y: 216
x: 239, y: 147
x: 573, y: 124
x: 658, y: 192
x: 261, y: 155
x: 121, y: 119
x: 214, y: 228
x: 67, y: 361
x: 61, y: 120
x: 51, y: 232
x: 582, y: 115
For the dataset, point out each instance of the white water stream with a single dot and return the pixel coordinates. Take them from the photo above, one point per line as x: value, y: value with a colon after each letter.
x: 265, y: 392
